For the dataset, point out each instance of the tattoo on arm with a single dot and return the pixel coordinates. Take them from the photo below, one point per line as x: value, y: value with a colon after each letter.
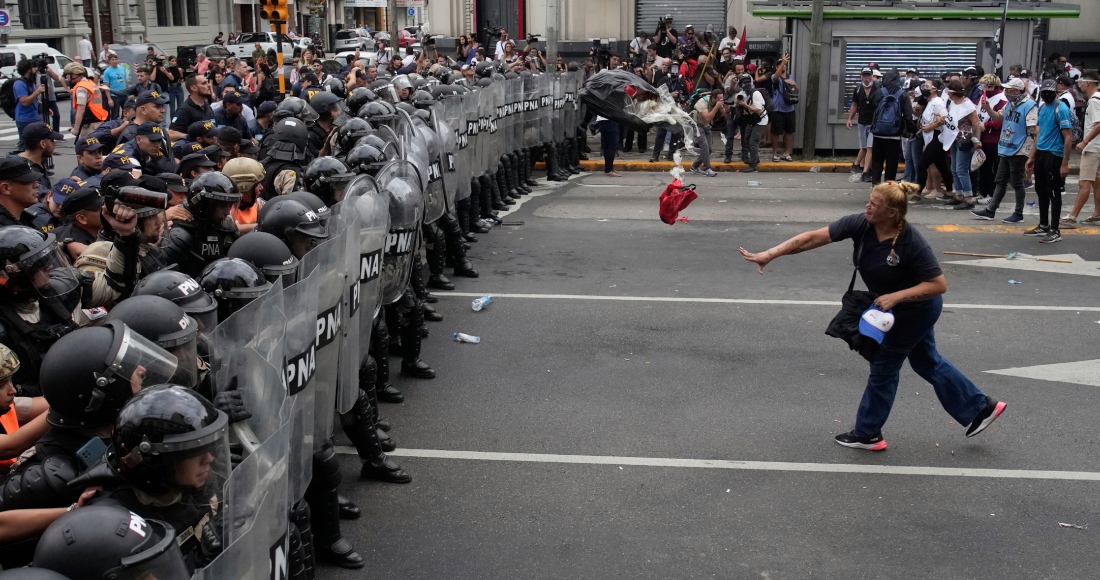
x: 916, y: 297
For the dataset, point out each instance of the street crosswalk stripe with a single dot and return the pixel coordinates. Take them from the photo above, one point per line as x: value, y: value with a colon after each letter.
x: 743, y: 465
x: 15, y: 137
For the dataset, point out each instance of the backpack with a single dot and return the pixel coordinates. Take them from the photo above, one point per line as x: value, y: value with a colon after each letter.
x: 1078, y: 130
x: 7, y: 97
x: 887, y: 121
x: 788, y: 92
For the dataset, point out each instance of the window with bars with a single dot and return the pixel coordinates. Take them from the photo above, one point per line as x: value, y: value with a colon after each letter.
x: 177, y: 13
x: 931, y: 59
x: 37, y: 14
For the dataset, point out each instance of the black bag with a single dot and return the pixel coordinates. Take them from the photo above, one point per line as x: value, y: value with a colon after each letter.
x: 845, y: 325
x: 7, y: 97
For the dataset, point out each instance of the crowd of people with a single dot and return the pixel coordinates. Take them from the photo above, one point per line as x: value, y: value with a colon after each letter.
x: 118, y: 277
x: 966, y: 137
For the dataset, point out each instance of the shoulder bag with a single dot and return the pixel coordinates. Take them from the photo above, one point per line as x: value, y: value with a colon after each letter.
x: 845, y: 325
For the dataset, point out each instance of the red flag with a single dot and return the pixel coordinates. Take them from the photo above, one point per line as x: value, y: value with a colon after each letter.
x: 743, y: 43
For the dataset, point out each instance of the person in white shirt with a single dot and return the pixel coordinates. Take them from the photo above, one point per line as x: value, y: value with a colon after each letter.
x: 105, y: 55
x: 1089, y: 147
x: 640, y: 43
x: 85, y: 50
x: 500, y: 44
x: 1064, y: 92
x: 730, y: 41
x: 410, y: 56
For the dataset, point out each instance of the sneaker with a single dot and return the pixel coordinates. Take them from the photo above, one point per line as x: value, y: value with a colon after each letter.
x: 855, y: 168
x: 1029, y: 185
x: 1091, y: 220
x: 993, y: 409
x: 728, y: 160
x: 750, y: 169
x: 1069, y: 222
x: 1053, y: 237
x: 983, y: 199
x: 865, y: 178
x: 693, y: 169
x: 916, y: 199
x: 965, y: 205
x: 709, y: 173
x: 1013, y: 219
x: 787, y: 158
x: 953, y: 201
x: 876, y: 443
x: 652, y: 159
x: 983, y: 214
x: 1037, y: 231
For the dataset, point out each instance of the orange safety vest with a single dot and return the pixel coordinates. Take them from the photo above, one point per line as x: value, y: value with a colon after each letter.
x: 10, y: 422
x: 246, y: 216
x: 95, y: 103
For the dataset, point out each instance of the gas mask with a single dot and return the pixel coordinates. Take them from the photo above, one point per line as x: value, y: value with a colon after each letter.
x: 1047, y: 97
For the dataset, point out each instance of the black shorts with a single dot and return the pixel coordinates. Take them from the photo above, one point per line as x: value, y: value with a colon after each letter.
x: 782, y: 123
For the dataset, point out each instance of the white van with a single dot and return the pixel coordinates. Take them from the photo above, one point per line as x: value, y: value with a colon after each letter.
x: 11, y: 54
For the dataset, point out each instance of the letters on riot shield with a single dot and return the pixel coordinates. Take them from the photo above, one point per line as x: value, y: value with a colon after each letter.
x: 399, y: 183
x: 531, y: 111
x: 299, y: 370
x: 329, y: 260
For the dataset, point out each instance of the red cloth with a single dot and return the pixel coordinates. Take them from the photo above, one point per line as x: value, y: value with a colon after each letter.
x: 674, y: 200
x: 742, y: 43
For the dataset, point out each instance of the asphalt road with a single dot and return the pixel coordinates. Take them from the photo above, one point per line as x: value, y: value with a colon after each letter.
x: 643, y: 404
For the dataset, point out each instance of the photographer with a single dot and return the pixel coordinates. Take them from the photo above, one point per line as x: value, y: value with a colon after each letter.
x: 666, y: 37
x: 755, y: 118
x: 46, y: 77
x: 535, y: 59
x: 640, y: 43
x: 706, y: 110
x: 27, y: 90
x: 733, y: 119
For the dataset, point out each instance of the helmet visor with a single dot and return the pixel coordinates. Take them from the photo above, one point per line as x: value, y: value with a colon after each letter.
x: 138, y: 359
x: 32, y: 270
x: 187, y: 363
x: 207, y: 318
x: 163, y: 560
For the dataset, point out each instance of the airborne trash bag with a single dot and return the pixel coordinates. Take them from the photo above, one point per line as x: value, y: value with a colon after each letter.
x: 675, y: 199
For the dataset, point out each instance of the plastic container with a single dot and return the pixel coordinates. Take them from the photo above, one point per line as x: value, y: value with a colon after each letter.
x: 755, y: 183
x: 461, y: 337
x: 480, y: 303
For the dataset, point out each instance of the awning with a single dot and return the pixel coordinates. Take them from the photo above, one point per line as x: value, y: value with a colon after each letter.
x: 886, y: 9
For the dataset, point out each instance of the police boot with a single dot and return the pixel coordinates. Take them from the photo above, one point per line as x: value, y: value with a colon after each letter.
x: 528, y: 166
x: 476, y: 224
x: 574, y: 159
x: 324, y: 504
x: 506, y: 174
x: 512, y: 175
x: 435, y: 251
x: 516, y: 158
x: 412, y: 324
x: 456, y: 251
x: 553, y: 172
x: 462, y: 212
x: 379, y: 353
x: 487, y: 206
x: 563, y: 154
x: 368, y: 373
x: 502, y: 185
x: 494, y: 192
x: 348, y: 510
x: 299, y: 519
x: 296, y: 559
x: 358, y: 424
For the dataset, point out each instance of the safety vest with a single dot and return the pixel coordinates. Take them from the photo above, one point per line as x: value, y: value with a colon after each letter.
x: 10, y: 422
x: 246, y: 216
x: 95, y: 102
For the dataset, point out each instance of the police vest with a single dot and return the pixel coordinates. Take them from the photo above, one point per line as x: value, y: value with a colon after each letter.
x: 31, y: 341
x: 95, y: 111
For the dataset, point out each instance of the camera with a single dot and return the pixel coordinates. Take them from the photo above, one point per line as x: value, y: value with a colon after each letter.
x: 532, y: 38
x: 41, y: 61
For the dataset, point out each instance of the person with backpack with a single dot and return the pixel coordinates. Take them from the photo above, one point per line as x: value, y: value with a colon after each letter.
x: 864, y: 104
x: 751, y: 103
x: 25, y: 91
x: 1050, y: 161
x: 888, y: 125
x: 784, y: 97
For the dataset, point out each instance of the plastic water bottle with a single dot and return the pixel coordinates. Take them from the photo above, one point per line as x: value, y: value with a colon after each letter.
x: 461, y: 337
x: 480, y: 303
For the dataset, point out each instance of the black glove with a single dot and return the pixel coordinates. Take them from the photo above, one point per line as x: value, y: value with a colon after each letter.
x: 231, y: 404
x: 210, y: 541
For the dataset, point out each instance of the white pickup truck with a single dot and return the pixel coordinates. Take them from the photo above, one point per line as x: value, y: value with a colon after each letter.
x: 246, y: 43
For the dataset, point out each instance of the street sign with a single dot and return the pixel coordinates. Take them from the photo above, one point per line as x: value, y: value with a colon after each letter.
x: 412, y: 12
x: 5, y: 29
x: 5, y: 20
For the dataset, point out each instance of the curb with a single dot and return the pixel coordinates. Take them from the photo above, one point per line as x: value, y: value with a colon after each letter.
x: 768, y: 167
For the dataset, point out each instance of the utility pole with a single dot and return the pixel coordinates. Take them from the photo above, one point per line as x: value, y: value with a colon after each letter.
x: 395, y: 54
x: 813, y: 81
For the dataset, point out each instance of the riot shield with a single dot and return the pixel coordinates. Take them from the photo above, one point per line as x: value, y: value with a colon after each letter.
x: 435, y: 198
x: 448, y: 145
x: 557, y: 121
x: 399, y: 182
x: 530, y: 111
x: 374, y: 223
x: 484, y: 116
x: 497, y: 91
x: 299, y: 369
x: 470, y: 105
x: 515, y: 114
x: 459, y: 177
x: 347, y: 392
x: 329, y: 262
x: 546, y: 108
x: 417, y: 153
x: 572, y: 119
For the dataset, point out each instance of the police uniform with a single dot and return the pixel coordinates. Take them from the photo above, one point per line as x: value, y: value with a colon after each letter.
x: 189, y: 113
x: 239, y: 122
x: 131, y: 131
x: 18, y: 169
x: 128, y: 153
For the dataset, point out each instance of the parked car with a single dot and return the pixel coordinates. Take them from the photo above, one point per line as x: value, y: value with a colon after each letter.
x: 246, y: 43
x: 351, y: 39
x: 133, y: 54
x: 187, y: 56
x: 11, y: 54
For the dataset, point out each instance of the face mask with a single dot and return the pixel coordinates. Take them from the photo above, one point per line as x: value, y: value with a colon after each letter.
x: 1048, y: 98
x: 867, y: 84
x: 1017, y: 99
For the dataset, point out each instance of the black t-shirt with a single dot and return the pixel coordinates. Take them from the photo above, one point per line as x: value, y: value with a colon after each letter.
x: 664, y: 45
x: 866, y: 104
x: 177, y: 76
x: 189, y: 113
x: 917, y: 263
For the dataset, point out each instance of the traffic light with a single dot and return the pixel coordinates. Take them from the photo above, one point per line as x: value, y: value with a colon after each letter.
x: 274, y: 10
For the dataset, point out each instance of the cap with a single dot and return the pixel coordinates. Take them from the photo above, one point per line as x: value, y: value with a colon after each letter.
x: 38, y: 131
x: 970, y: 72
x: 147, y: 97
x: 877, y: 74
x: 64, y: 188
x: 119, y: 162
x: 1065, y: 81
x: 190, y: 162
x: 75, y: 68
x: 131, y: 103
x: 88, y: 144
x: 310, y: 77
x: 201, y: 129
x: 234, y: 97
x: 1015, y: 83
x: 172, y: 182
x: 874, y: 323
x: 229, y: 135
x: 85, y: 198
x: 151, y: 130
x: 244, y: 172
x: 866, y: 71
x: 1048, y: 86
x: 266, y: 108
x: 911, y: 70
x: 1025, y: 74
x: 247, y: 148
x: 215, y: 152
x: 17, y: 169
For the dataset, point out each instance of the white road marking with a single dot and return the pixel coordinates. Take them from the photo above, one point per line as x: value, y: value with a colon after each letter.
x: 833, y: 303
x: 1085, y: 372
x: 742, y: 465
x: 15, y: 137
x: 539, y: 190
x: 1080, y: 266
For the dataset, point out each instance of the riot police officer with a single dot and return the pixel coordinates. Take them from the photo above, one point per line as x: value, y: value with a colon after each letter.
x: 185, y: 292
x: 233, y: 282
x: 327, y: 106
x: 327, y: 178
x: 285, y: 154
x: 269, y: 254
x: 298, y: 226
x: 194, y: 244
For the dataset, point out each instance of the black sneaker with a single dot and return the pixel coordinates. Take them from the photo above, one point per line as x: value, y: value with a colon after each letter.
x: 993, y: 409
x: 1053, y: 237
x: 865, y: 178
x: 964, y: 205
x: 1037, y: 231
x: 850, y: 439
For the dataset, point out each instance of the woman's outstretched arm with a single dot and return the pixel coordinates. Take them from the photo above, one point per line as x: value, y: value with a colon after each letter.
x: 801, y: 243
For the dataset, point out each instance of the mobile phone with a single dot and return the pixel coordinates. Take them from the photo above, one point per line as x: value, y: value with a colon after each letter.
x: 91, y: 452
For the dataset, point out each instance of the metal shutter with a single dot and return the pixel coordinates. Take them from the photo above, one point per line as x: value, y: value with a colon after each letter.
x: 931, y: 59
x: 698, y: 13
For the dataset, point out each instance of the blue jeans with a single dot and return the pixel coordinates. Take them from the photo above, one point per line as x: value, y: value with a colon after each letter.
x: 960, y: 170
x: 913, y: 338
x: 913, y: 150
x: 175, y: 100
x: 20, y: 125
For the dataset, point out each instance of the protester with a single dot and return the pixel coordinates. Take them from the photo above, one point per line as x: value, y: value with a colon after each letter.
x: 1089, y: 147
x: 960, y: 136
x: 992, y: 100
x: 114, y: 76
x: 783, y: 116
x: 864, y: 103
x: 1050, y: 161
x: 1018, y: 119
x: 750, y: 101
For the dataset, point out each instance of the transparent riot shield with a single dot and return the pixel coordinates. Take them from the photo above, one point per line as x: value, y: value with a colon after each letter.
x: 448, y: 144
x: 417, y: 152
x: 557, y: 121
x: 515, y: 97
x: 530, y: 111
x: 546, y: 108
x: 496, y: 137
x: 329, y: 261
x: 399, y: 183
x: 435, y: 193
x: 571, y: 117
x: 347, y: 392
x: 374, y: 224
x: 470, y: 106
x: 299, y: 369
x: 457, y: 170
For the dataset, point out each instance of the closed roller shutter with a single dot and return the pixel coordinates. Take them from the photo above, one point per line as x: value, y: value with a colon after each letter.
x: 931, y: 59
x: 698, y: 13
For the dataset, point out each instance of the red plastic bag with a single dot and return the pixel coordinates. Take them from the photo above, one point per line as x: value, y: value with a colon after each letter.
x: 674, y: 199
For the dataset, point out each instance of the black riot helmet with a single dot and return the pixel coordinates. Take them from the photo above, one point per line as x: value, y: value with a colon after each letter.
x: 407, y: 107
x: 88, y: 374
x: 234, y: 282
x: 485, y: 82
x: 402, y: 82
x: 360, y: 96
x: 290, y: 140
x: 108, y: 541
x: 293, y: 107
x: 511, y: 75
x: 351, y: 131
x: 210, y: 192
x: 183, y: 291
x: 25, y: 254
x: 290, y: 220
x: 314, y: 203
x: 269, y: 254
x: 327, y: 178
x: 168, y: 326
x: 365, y: 158
x: 335, y: 86
x: 326, y: 104
x: 485, y: 69
x: 378, y: 113
x: 156, y: 429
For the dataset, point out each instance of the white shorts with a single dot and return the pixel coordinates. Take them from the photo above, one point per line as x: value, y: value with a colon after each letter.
x: 865, y: 136
x: 1090, y: 167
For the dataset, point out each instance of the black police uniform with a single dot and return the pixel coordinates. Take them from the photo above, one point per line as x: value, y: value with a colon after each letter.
x: 43, y: 219
x: 15, y: 168
x: 190, y: 113
x: 150, y: 165
x: 183, y: 148
x: 195, y: 510
x: 82, y: 174
x: 239, y: 123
